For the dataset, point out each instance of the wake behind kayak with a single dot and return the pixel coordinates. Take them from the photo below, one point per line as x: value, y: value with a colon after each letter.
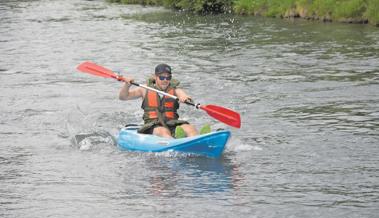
x: 210, y: 145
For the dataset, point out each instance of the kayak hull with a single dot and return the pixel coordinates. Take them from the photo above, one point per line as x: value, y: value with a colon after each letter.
x: 211, y: 144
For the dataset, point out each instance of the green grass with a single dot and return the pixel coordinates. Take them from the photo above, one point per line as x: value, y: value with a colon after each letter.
x: 340, y: 10
x: 322, y: 8
x: 349, y: 9
x: 372, y: 13
x: 249, y: 7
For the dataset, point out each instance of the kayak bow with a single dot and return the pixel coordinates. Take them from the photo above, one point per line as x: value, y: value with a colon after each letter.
x: 210, y: 145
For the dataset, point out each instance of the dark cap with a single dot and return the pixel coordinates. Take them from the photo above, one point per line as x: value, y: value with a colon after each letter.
x: 162, y: 68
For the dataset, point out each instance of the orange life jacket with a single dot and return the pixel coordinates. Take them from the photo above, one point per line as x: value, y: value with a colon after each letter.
x: 156, y: 108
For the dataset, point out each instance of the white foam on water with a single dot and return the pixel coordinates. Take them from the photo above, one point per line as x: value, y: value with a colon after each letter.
x: 237, y: 146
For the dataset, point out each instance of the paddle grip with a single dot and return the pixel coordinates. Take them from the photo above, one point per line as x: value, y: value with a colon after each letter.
x: 192, y: 104
x: 133, y: 83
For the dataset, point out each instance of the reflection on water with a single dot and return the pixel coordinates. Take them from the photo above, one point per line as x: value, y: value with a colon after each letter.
x: 192, y: 176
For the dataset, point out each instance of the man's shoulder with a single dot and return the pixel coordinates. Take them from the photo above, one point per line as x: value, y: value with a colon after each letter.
x: 175, y: 83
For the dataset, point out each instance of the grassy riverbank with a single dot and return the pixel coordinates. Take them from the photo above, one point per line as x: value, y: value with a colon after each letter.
x: 350, y: 11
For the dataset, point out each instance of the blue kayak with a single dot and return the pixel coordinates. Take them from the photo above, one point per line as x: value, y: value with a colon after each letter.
x: 211, y: 144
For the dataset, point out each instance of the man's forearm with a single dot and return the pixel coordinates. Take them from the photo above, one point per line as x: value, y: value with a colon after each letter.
x: 124, y: 92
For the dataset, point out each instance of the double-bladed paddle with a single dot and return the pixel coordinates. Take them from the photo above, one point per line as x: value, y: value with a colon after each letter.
x: 222, y: 114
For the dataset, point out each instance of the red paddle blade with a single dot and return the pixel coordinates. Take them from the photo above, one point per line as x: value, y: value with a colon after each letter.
x: 224, y: 115
x: 94, y: 69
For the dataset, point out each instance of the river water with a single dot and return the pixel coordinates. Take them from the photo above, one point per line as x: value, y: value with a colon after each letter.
x: 307, y: 93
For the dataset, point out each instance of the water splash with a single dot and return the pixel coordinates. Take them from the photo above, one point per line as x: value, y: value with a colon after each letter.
x: 91, y: 141
x: 83, y: 132
x: 237, y: 145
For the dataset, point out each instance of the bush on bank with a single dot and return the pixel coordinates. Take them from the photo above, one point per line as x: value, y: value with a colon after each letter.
x: 197, y: 6
x: 200, y: 6
x: 352, y: 11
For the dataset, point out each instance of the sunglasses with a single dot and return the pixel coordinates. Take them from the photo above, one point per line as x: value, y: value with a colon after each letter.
x: 165, y: 77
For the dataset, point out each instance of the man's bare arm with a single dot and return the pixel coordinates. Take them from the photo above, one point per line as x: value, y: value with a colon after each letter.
x: 128, y: 94
x: 182, y: 95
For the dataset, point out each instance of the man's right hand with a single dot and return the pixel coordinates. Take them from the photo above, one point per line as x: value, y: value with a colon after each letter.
x: 128, y: 80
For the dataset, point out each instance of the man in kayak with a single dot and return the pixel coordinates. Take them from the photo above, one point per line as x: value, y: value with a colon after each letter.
x: 160, y: 112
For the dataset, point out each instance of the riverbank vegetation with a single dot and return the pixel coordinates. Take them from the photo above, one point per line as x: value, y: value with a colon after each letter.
x: 350, y: 11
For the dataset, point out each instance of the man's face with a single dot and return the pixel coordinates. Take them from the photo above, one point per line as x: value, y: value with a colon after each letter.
x: 163, y: 80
